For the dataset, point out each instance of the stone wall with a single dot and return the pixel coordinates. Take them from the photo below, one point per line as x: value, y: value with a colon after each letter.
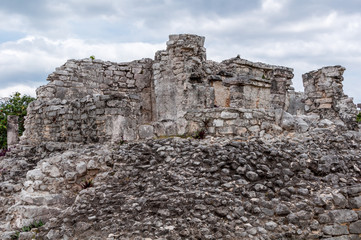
x: 91, y: 100
x: 179, y: 80
x: 325, y: 96
x: 77, y: 79
x: 99, y: 118
x: 232, y: 122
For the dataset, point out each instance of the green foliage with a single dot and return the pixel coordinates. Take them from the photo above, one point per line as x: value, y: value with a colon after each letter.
x: 122, y: 141
x: 92, y: 57
x: 35, y: 224
x: 15, y: 105
x: 87, y: 183
x: 201, y: 134
x: 358, y: 117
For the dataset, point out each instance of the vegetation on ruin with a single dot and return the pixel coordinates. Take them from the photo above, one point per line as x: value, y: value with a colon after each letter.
x: 87, y: 183
x: 15, y: 105
x: 35, y: 224
x: 358, y: 117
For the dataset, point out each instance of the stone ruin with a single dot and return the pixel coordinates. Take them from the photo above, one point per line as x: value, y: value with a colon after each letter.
x: 275, y: 164
x: 174, y: 94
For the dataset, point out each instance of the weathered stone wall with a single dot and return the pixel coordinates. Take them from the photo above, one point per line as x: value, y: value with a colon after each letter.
x: 97, y: 118
x: 77, y: 79
x: 170, y: 94
x: 241, y: 122
x: 325, y: 96
x: 255, y: 85
x: 179, y: 81
x: 12, y: 130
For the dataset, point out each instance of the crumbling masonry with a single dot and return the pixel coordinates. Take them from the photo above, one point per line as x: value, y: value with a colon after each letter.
x: 177, y: 93
x: 275, y: 164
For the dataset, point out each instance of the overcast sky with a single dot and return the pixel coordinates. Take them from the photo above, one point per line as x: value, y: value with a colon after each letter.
x: 39, y: 35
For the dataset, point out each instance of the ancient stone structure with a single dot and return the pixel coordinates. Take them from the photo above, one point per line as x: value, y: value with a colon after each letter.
x: 95, y: 101
x: 12, y: 130
x: 324, y: 95
x: 275, y: 163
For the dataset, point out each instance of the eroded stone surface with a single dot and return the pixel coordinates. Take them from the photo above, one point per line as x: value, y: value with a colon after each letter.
x: 96, y: 160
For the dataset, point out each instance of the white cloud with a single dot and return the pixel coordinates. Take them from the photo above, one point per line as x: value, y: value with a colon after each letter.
x: 273, y: 6
x: 21, y: 88
x: 34, y: 56
x: 305, y: 36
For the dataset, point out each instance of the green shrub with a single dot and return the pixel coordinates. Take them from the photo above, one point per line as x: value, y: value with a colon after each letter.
x: 35, y: 224
x: 201, y: 134
x: 92, y: 57
x: 87, y: 183
x: 358, y: 117
x: 15, y: 105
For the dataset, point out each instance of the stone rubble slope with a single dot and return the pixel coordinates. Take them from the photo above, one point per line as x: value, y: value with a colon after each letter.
x: 293, y: 187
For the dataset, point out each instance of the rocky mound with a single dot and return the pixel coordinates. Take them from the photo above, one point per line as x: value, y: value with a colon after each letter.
x: 294, y: 187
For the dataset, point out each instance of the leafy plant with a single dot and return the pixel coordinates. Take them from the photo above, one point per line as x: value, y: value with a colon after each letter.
x: 122, y: 141
x: 87, y: 183
x: 15, y: 105
x: 358, y: 117
x: 201, y: 134
x: 4, y: 151
x: 92, y: 57
x: 35, y: 224
x: 15, y: 235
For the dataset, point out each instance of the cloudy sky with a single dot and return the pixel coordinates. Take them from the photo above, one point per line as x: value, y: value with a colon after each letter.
x: 39, y: 35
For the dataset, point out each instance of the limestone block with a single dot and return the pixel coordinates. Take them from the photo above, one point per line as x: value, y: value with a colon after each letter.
x: 229, y: 115
x: 35, y: 174
x: 248, y: 115
x: 355, y: 227
x: 288, y: 121
x: 241, y: 131
x: 325, y: 123
x: 81, y: 168
x: 12, y: 130
x: 254, y: 129
x: 325, y: 106
x: 52, y: 170
x: 221, y: 93
x: 218, y: 122
x: 343, y: 215
x: 301, y: 125
x: 146, y: 131
x: 324, y: 100
x: 335, y: 230
x: 226, y: 130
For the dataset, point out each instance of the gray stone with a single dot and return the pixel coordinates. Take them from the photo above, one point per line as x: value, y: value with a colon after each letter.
x: 271, y: 225
x: 355, y: 202
x: 343, y: 216
x: 339, y: 200
x: 229, y: 115
x: 252, y: 176
x: 146, y: 131
x: 282, y: 209
x: 35, y: 174
x: 355, y: 227
x: 335, y: 230
x: 288, y: 121
x: 81, y: 168
x: 218, y: 122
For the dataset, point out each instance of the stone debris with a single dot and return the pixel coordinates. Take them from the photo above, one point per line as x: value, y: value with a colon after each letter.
x: 110, y: 152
